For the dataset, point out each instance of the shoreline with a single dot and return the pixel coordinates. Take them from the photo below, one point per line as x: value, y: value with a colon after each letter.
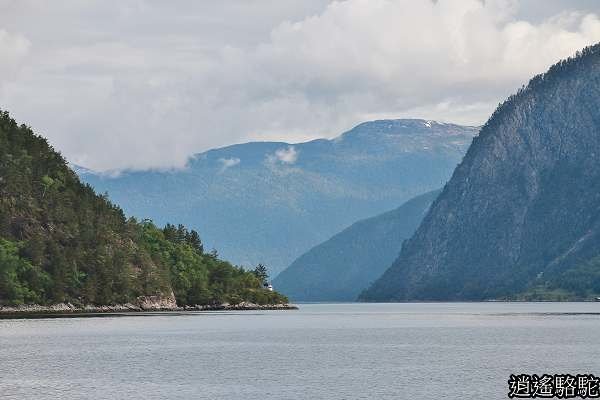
x: 68, y: 309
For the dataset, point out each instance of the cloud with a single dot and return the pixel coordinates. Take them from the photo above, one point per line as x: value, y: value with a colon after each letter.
x: 228, y: 163
x: 287, y: 155
x: 13, y: 49
x: 393, y: 56
x: 144, y: 85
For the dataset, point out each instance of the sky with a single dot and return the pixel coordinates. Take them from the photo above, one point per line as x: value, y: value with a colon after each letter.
x: 141, y: 84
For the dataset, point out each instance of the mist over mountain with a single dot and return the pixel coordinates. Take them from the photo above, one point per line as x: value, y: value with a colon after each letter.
x: 520, y: 216
x: 269, y: 202
x: 340, y: 268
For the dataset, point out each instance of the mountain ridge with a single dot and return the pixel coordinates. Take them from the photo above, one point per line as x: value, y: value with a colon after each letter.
x: 348, y: 262
x: 80, y: 169
x: 285, y: 198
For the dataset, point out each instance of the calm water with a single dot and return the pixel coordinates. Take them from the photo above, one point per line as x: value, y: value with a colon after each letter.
x: 325, y: 351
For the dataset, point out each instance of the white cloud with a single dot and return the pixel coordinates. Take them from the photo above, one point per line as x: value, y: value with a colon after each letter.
x: 228, y: 162
x: 13, y: 49
x: 143, y: 84
x: 287, y: 155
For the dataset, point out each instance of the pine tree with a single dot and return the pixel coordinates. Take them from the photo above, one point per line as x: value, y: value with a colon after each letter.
x: 261, y: 273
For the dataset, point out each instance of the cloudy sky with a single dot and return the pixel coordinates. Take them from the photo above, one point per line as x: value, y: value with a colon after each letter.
x: 145, y: 84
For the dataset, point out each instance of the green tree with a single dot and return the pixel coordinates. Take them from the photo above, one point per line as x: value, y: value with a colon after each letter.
x: 47, y: 183
x: 19, y: 280
x: 193, y: 239
x: 261, y: 273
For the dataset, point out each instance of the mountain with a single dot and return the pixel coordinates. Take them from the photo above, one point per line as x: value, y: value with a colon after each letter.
x: 340, y: 268
x: 269, y: 202
x: 60, y: 242
x: 520, y: 216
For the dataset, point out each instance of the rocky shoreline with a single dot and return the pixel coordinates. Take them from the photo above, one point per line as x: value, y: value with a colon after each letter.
x: 144, y: 304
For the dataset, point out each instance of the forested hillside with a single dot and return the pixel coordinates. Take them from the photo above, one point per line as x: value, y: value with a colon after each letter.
x: 59, y: 241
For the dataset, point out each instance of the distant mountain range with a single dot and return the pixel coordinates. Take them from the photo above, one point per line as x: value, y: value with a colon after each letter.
x: 269, y: 202
x: 520, y: 217
x: 340, y: 268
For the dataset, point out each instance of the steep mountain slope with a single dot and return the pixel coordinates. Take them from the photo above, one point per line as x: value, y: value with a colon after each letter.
x: 343, y: 266
x: 270, y: 202
x: 59, y: 241
x: 521, y: 212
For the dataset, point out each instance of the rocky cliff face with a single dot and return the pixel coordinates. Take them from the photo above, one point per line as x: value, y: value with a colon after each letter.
x: 521, y: 211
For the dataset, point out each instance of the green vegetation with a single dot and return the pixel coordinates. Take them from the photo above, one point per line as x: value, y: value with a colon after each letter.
x: 261, y: 274
x: 60, y: 241
x: 20, y: 281
x: 546, y: 293
x: 581, y: 282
